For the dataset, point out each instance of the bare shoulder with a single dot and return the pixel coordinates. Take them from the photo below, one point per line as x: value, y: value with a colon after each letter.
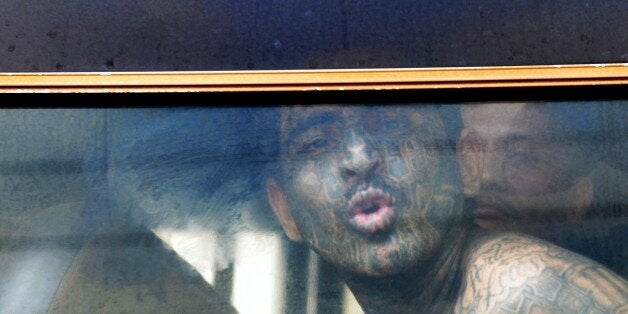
x: 511, y: 273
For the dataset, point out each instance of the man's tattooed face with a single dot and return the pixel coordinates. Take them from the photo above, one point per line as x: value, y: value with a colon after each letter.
x: 373, y: 190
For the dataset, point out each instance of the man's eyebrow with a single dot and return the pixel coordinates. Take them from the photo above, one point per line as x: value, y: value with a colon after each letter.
x: 525, y: 138
x: 517, y: 137
x: 326, y: 117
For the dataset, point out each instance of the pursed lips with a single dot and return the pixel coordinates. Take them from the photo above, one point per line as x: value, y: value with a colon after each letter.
x: 371, y: 210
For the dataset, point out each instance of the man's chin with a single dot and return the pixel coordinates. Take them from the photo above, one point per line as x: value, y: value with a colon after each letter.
x: 488, y: 217
x: 492, y: 224
x: 389, y: 258
x: 530, y: 226
x: 379, y: 271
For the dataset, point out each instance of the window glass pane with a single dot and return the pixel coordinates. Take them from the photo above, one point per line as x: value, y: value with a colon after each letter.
x: 413, y: 207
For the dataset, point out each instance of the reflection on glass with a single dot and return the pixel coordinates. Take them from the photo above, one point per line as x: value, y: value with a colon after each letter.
x: 315, y: 209
x: 312, y: 283
x: 196, y: 246
x: 257, y: 279
x: 349, y: 304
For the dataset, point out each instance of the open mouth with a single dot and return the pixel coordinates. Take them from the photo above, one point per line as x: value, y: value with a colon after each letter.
x: 371, y: 210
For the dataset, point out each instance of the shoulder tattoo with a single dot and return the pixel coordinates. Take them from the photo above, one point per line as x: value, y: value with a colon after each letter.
x: 516, y: 274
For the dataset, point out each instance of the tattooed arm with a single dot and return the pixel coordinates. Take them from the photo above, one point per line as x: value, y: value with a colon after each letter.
x: 511, y: 273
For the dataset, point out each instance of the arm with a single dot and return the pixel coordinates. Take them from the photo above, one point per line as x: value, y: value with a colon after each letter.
x: 516, y: 274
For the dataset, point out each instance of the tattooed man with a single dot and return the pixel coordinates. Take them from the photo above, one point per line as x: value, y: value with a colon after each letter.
x: 374, y: 192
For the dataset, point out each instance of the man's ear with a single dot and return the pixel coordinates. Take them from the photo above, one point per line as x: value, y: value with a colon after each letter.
x: 470, y: 160
x: 583, y: 192
x: 279, y: 204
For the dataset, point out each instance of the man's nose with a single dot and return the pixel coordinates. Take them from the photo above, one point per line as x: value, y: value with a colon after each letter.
x: 361, y: 159
x: 492, y: 170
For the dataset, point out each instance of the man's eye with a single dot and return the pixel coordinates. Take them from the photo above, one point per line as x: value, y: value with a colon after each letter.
x: 393, y: 125
x: 316, y: 145
x: 525, y: 160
